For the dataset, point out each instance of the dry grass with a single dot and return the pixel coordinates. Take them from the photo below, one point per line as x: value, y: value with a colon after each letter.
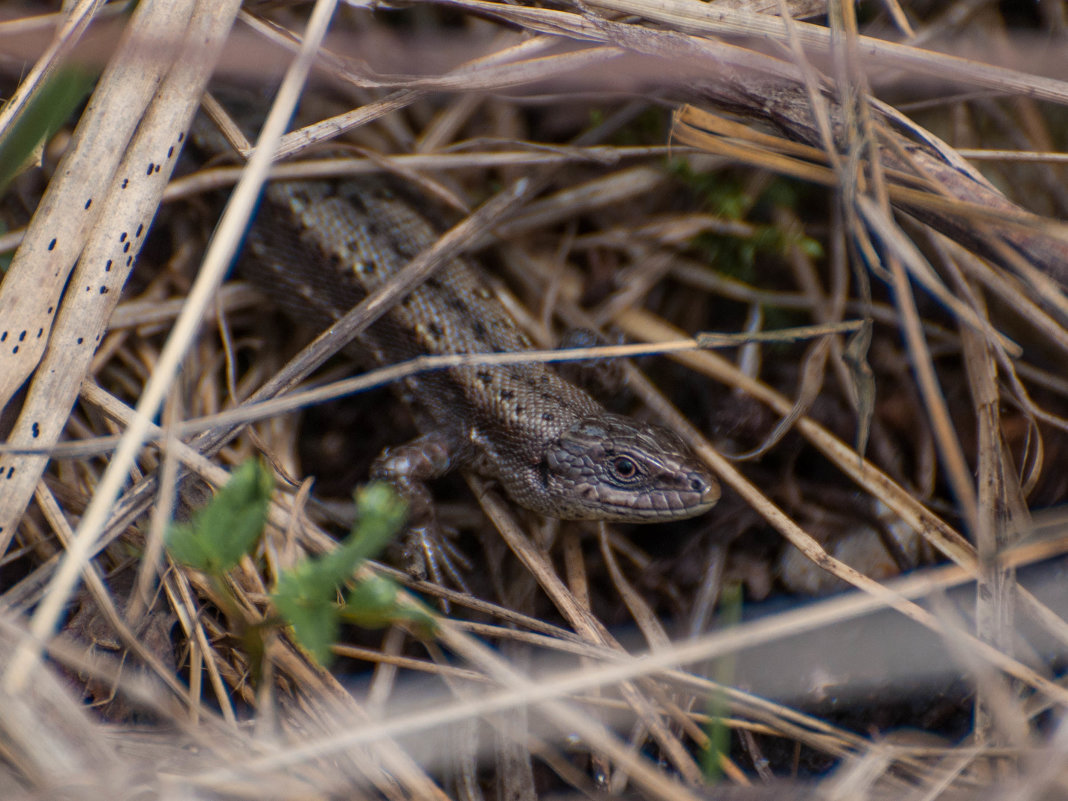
x: 649, y: 170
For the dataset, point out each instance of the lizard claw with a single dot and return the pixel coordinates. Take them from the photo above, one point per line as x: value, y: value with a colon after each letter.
x: 429, y: 554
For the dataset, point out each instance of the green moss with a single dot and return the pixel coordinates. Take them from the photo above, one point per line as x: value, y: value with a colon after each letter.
x: 727, y: 195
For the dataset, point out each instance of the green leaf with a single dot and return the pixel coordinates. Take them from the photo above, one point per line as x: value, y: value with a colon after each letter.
x: 371, y: 601
x: 307, y: 595
x: 228, y: 527
x: 380, y: 514
x: 374, y: 604
x: 5, y: 258
x: 724, y: 674
x: 49, y: 108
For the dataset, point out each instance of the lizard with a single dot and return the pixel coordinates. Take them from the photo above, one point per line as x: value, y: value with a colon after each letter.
x: 317, y: 248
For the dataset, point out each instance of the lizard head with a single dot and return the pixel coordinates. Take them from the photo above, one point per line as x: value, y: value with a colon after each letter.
x: 611, y: 467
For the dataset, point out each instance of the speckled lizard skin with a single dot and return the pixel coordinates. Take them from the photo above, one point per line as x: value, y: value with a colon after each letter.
x: 317, y: 248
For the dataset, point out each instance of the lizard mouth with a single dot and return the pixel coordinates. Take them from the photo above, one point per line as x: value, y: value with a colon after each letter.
x: 687, y: 496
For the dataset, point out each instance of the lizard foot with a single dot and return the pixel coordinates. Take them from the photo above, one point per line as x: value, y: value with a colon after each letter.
x: 429, y: 554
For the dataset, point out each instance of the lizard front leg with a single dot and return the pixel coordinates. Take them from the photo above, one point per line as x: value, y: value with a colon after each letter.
x: 427, y: 551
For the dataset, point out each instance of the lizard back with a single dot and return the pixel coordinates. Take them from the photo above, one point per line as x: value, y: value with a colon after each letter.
x: 320, y: 247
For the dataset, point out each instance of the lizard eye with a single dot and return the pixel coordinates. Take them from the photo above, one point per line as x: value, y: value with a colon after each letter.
x: 624, y: 467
